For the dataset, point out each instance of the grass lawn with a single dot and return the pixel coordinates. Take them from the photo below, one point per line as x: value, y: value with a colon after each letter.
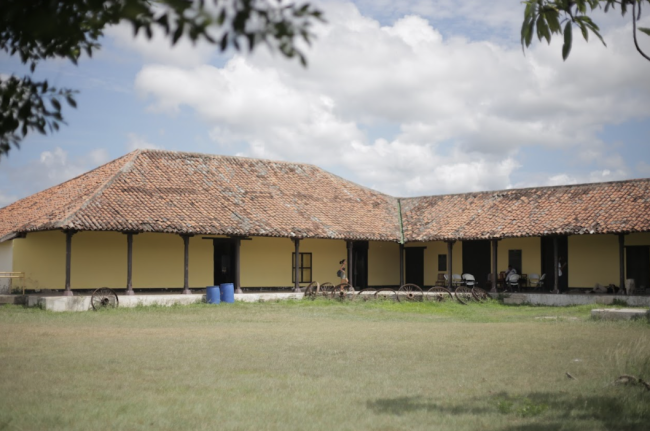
x: 322, y: 365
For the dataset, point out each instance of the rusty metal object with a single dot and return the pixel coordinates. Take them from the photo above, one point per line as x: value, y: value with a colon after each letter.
x: 312, y: 290
x: 387, y: 294
x: 104, y: 298
x: 410, y: 292
x: 463, y: 294
x: 439, y: 294
x: 479, y: 294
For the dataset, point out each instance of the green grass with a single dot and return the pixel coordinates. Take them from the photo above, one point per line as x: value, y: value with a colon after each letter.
x: 321, y: 365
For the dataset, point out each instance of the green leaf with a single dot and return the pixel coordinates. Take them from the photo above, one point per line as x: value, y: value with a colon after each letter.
x: 568, y: 39
x: 56, y: 104
x: 542, y: 29
x: 645, y: 30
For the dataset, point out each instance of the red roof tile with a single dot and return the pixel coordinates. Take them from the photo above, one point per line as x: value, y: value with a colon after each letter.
x: 164, y: 191
x: 614, y: 207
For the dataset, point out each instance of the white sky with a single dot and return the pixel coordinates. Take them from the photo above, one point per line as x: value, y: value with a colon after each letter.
x: 410, y: 98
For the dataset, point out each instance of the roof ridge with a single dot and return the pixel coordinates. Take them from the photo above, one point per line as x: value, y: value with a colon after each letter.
x: 128, y: 164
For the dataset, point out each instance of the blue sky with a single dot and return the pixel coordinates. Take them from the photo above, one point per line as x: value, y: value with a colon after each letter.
x: 410, y: 98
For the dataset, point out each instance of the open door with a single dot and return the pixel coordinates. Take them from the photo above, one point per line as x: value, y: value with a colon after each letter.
x: 224, y: 261
x: 415, y: 266
x: 637, y: 265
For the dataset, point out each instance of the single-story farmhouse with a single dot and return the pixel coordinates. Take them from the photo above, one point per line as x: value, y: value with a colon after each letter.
x: 163, y: 219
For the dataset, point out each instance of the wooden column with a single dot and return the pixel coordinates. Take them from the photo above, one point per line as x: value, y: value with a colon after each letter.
x: 350, y: 268
x: 238, y: 266
x: 68, y: 261
x: 186, y: 270
x: 450, y: 262
x: 621, y: 259
x: 556, y: 277
x: 129, y: 263
x: 401, y: 265
x: 495, y: 248
x: 296, y: 262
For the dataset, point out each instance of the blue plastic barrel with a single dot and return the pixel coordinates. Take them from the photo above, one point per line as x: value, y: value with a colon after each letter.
x: 212, y: 295
x: 227, y: 293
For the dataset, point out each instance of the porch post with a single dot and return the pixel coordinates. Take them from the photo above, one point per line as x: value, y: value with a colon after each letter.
x: 450, y: 258
x: 495, y: 247
x: 238, y: 266
x: 129, y: 263
x: 296, y: 262
x: 556, y: 277
x: 350, y: 263
x: 186, y: 278
x: 621, y: 259
x: 401, y: 265
x: 68, y: 259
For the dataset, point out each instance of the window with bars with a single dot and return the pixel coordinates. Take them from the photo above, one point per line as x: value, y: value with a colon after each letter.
x: 304, y: 268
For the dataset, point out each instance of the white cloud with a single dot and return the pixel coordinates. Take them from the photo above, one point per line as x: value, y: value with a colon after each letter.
x: 463, y: 108
x: 135, y: 142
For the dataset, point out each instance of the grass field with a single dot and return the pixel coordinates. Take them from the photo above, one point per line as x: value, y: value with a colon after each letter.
x: 321, y: 366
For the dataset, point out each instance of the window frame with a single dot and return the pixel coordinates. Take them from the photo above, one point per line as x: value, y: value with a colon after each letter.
x: 302, y: 267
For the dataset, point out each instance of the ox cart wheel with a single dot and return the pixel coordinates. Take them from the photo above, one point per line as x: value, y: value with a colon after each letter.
x: 104, y: 298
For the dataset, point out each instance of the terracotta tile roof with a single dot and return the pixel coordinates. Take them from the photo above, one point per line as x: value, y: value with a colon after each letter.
x: 614, y: 207
x: 164, y: 191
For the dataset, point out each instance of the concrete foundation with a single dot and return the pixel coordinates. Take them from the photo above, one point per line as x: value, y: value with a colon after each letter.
x: 82, y: 302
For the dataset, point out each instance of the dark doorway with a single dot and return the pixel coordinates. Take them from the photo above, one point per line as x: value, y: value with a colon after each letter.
x: 637, y: 262
x: 360, y: 263
x: 224, y: 261
x: 548, y: 266
x: 476, y: 260
x: 415, y: 265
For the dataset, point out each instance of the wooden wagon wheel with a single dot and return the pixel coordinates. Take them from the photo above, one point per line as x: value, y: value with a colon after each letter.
x: 480, y: 294
x: 325, y: 289
x: 311, y: 290
x: 439, y: 294
x: 365, y: 294
x: 104, y: 298
x: 387, y: 294
x: 410, y: 292
x: 463, y: 294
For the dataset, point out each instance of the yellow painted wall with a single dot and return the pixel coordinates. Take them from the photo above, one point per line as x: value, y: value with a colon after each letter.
x: 383, y: 263
x: 433, y: 249
x: 326, y: 255
x: 41, y: 256
x: 531, y: 254
x: 593, y: 259
x: 266, y: 262
x: 98, y: 260
x: 158, y: 261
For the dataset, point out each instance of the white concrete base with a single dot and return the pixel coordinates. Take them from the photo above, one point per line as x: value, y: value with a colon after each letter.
x: 620, y: 313
x: 82, y: 303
